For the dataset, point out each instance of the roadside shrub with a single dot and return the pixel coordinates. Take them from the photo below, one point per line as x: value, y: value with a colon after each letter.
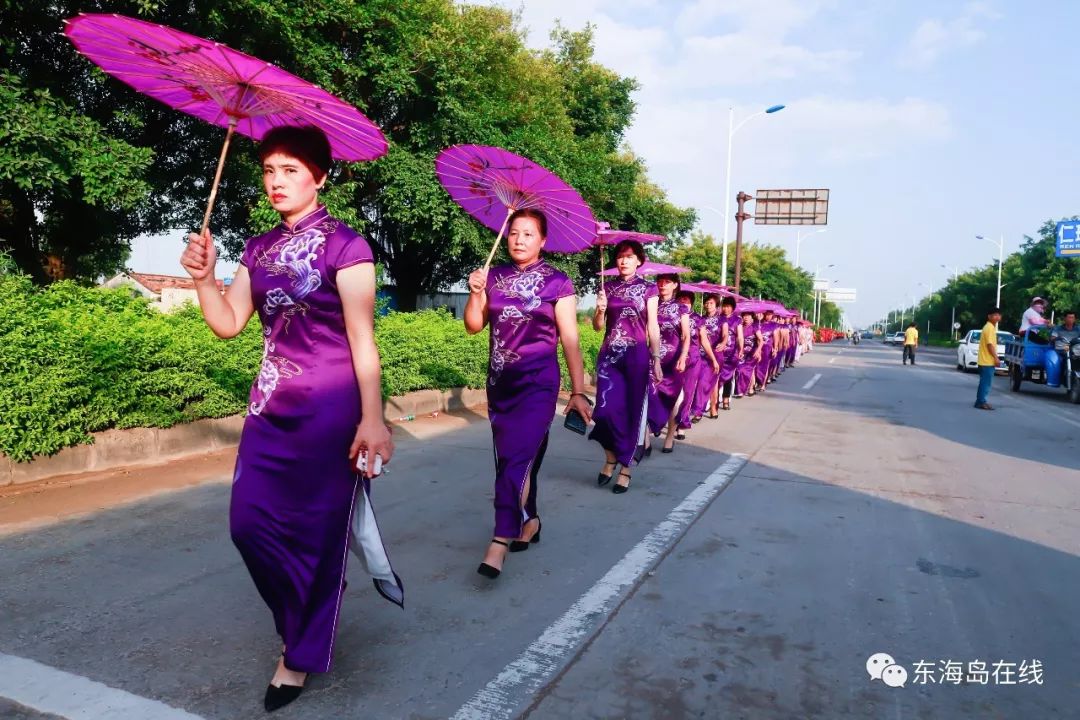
x: 76, y: 360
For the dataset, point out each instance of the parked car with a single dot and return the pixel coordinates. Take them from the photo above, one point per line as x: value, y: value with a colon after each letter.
x: 896, y: 338
x: 967, y: 351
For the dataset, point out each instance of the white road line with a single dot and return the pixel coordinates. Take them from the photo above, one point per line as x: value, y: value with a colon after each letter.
x: 812, y: 381
x: 832, y: 361
x: 520, y: 680
x: 48, y: 690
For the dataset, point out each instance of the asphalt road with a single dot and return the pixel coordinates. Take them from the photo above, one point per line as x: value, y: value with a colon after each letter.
x: 858, y: 507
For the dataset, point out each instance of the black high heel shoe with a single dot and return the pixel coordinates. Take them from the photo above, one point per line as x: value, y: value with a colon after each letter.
x: 602, y: 479
x: 523, y: 545
x: 620, y: 489
x: 490, y: 571
x: 280, y: 696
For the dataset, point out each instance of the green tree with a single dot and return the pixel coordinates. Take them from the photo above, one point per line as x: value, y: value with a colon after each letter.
x: 60, y: 173
x: 766, y: 271
x: 1031, y: 271
x: 431, y: 73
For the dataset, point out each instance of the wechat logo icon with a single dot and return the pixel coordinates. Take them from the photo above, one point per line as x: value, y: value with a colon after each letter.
x: 883, y: 667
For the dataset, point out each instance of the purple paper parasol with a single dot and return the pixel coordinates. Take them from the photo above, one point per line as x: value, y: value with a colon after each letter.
x: 491, y: 183
x: 607, y: 236
x: 651, y: 268
x: 220, y: 85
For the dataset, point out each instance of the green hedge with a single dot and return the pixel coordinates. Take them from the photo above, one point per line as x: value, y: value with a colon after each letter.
x: 76, y: 360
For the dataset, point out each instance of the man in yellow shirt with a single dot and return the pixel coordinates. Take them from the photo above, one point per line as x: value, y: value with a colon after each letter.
x: 988, y: 358
x: 911, y: 341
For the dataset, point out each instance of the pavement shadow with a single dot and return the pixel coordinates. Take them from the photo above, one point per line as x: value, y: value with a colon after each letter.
x: 939, y: 401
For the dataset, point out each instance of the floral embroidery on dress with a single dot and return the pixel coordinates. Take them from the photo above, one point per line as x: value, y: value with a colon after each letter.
x: 275, y: 299
x: 296, y: 257
x: 274, y: 368
x: 525, y: 285
x: 511, y: 315
x: 500, y: 358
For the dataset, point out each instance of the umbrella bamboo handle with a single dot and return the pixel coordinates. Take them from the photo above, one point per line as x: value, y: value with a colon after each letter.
x: 603, y: 262
x: 217, y: 179
x: 498, y: 239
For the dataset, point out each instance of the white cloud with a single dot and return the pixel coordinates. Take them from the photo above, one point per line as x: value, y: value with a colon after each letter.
x: 934, y: 36
x: 747, y: 59
x: 775, y: 17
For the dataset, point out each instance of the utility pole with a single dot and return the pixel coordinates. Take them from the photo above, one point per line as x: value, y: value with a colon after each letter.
x: 740, y: 216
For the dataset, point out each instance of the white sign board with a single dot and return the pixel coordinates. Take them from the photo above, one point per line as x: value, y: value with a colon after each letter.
x: 821, y: 285
x: 840, y: 295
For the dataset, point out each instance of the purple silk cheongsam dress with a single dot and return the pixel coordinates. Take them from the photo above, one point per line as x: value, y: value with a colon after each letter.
x: 729, y: 365
x: 707, y: 377
x: 747, y: 366
x: 664, y: 395
x: 623, y: 371
x: 694, y: 361
x: 297, y: 504
x: 523, y: 382
x: 762, y: 369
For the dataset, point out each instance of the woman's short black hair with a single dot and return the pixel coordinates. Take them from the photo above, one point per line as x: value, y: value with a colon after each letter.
x: 729, y: 301
x: 711, y: 296
x: 306, y: 143
x: 684, y: 294
x: 538, y: 216
x: 672, y: 277
x: 638, y: 248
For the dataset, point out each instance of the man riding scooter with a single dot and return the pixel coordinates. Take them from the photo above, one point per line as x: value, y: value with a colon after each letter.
x: 1062, y: 338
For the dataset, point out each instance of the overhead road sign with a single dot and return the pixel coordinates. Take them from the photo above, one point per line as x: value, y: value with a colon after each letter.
x: 791, y: 207
x: 1068, y: 239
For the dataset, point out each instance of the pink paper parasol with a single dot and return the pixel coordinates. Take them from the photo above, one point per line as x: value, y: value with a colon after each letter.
x: 220, y: 85
x: 606, y: 236
x: 651, y: 268
x: 491, y: 184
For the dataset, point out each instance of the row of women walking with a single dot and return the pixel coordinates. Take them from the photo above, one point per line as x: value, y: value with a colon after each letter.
x: 314, y: 435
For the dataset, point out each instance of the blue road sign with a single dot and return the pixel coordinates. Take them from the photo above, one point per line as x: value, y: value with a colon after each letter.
x: 1068, y: 239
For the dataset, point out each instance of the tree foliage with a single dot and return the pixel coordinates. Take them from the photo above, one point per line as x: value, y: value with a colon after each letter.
x: 766, y: 273
x: 60, y: 171
x: 1031, y: 271
x: 430, y: 73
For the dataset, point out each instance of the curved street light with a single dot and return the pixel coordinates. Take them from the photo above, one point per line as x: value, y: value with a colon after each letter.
x: 732, y: 129
x: 1001, y: 257
x: 799, y: 237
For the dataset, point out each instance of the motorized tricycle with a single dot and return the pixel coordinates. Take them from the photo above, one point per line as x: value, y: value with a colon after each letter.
x: 1039, y: 356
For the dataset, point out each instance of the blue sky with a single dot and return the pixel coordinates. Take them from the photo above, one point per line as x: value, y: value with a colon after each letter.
x: 929, y: 122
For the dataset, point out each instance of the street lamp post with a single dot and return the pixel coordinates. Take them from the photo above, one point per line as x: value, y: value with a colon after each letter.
x: 799, y: 237
x: 817, y: 293
x: 956, y: 279
x: 1001, y: 257
x: 732, y: 129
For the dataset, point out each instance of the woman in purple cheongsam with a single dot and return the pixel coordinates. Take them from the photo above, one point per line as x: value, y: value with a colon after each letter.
x: 530, y: 307
x: 674, y: 320
x: 731, y: 342
x: 630, y: 354
x: 766, y: 329
x: 700, y: 358
x: 749, y: 355
x: 712, y: 327
x: 298, y: 504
